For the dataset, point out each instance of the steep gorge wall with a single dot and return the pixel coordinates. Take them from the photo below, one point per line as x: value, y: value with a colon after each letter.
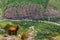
x: 19, y: 9
x: 26, y: 9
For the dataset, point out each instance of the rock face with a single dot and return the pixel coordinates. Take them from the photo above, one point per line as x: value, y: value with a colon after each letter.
x: 30, y: 11
x: 2, y: 30
x: 27, y: 11
x: 53, y: 38
x: 10, y: 13
x: 10, y: 38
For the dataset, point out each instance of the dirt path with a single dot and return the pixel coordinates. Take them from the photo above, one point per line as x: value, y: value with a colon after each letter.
x: 51, y: 22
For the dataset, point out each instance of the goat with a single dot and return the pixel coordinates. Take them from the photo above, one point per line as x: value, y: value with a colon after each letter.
x: 13, y: 30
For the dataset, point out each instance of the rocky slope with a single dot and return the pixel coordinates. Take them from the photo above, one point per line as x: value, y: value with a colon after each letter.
x: 37, y: 9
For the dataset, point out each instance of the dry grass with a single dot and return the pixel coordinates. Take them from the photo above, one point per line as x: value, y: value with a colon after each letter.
x: 1, y: 37
x: 58, y: 37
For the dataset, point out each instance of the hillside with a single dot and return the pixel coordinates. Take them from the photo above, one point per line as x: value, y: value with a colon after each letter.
x: 30, y: 9
x: 42, y: 30
x: 36, y: 19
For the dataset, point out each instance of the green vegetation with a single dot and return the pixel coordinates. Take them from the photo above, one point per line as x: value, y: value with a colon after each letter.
x: 43, y: 30
x: 55, y: 4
